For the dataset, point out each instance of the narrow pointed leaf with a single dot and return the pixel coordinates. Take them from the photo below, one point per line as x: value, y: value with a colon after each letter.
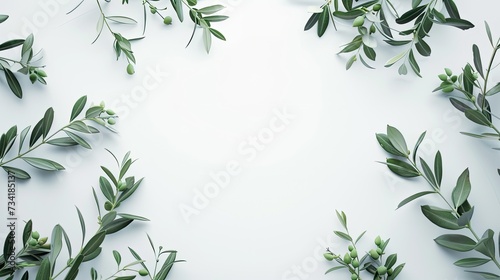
x: 323, y: 21
x: 43, y: 164
x: 413, y: 197
x: 18, y: 173
x: 477, y: 60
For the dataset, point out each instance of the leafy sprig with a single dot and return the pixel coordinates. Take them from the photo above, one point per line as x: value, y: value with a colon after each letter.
x: 474, y: 86
x: 40, y: 135
x: 453, y: 214
x: 41, y: 257
x: 201, y: 17
x: 371, y: 262
x: 26, y: 64
x: 371, y: 20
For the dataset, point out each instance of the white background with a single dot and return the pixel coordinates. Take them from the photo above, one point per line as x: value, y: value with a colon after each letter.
x: 276, y: 216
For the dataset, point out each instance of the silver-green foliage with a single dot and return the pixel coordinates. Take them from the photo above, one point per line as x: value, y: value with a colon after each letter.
x: 371, y: 20
x: 43, y: 256
x: 474, y: 87
x: 30, y: 139
x: 454, y: 213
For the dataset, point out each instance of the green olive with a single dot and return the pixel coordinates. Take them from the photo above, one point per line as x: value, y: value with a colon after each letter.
x: 33, y: 78
x: 328, y: 256
x: 32, y: 242
x: 167, y: 20
x: 35, y: 235
x: 354, y: 254
x: 374, y: 254
x: 347, y: 258
x: 377, y: 7
x: 355, y: 263
x: 354, y: 276
x: 42, y: 240
x: 143, y: 272
x: 382, y: 270
x: 350, y: 248
x: 359, y: 21
x: 130, y: 69
x: 111, y: 121
x: 448, y: 71
x: 378, y: 241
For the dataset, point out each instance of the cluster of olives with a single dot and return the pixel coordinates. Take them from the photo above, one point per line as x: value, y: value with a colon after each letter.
x: 35, y: 241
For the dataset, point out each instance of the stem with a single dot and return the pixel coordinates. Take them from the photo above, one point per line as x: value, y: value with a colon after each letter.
x: 488, y: 71
x: 44, y: 141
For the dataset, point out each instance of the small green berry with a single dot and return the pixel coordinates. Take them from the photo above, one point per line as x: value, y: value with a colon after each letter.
x: 374, y: 254
x: 355, y: 263
x: 102, y: 104
x: 111, y: 121
x: 167, y: 20
x: 110, y: 112
x: 35, y: 235
x: 359, y: 21
x: 354, y: 276
x: 350, y: 248
x: 390, y: 271
x: 33, y: 78
x: 382, y: 270
x: 347, y: 258
x: 328, y: 256
x: 152, y: 10
x: 448, y: 71
x: 448, y: 89
x: 377, y: 7
x: 378, y: 240
x: 108, y: 206
x: 379, y: 251
x: 443, y: 77
x: 454, y: 78
x: 42, y: 240
x: 32, y: 242
x: 143, y: 272
x: 354, y: 254
x: 130, y: 69
x: 372, y: 29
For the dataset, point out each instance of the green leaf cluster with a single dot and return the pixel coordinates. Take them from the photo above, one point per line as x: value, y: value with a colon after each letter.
x: 372, y: 262
x: 201, y: 17
x: 39, y: 255
x: 371, y: 20
x: 31, y: 139
x: 454, y: 214
x: 25, y: 64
